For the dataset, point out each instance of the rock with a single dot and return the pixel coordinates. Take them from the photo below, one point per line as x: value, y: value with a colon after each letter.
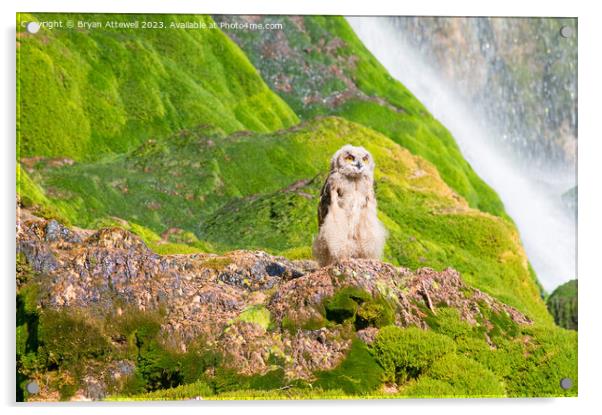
x: 203, y: 295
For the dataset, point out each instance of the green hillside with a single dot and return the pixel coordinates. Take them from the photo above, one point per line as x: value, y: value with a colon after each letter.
x: 319, y: 66
x: 259, y: 191
x: 564, y: 306
x: 86, y: 93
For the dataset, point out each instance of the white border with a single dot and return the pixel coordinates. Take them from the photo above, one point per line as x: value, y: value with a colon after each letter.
x: 590, y: 199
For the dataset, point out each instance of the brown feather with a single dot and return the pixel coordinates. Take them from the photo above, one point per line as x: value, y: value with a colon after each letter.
x: 324, y: 204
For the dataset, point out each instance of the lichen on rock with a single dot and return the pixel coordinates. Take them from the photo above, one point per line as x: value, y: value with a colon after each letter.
x: 257, y: 311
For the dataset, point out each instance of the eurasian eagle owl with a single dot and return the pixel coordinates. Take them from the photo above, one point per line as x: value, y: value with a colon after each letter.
x: 348, y: 225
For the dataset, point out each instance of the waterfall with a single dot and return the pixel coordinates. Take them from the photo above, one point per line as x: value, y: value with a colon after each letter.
x: 530, y: 184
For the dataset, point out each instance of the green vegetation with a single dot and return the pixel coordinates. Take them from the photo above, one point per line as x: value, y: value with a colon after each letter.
x: 358, y: 374
x: 318, y: 44
x: 407, y: 353
x: 190, y: 391
x: 257, y: 314
x: 95, y: 92
x: 358, y: 306
x: 563, y: 305
x: 456, y: 376
x: 526, y: 360
x: 240, y: 194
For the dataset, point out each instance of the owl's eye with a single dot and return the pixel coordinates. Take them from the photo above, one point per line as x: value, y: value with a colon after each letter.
x: 349, y: 158
x: 365, y: 158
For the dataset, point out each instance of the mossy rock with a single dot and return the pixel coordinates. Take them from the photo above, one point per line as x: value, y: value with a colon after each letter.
x: 69, y: 339
x: 358, y: 374
x: 407, y: 353
x: 256, y: 314
x: 230, y: 204
x: 344, y: 304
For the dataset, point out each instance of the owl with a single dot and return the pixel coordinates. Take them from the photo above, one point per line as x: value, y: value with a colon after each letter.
x: 348, y: 225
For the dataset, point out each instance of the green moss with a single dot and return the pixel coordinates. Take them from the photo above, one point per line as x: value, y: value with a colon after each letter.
x: 563, y: 305
x: 360, y: 307
x: 395, y: 113
x: 217, y: 264
x: 69, y: 338
x: 467, y: 377
x: 447, y: 321
x: 406, y: 353
x: 343, y: 304
x: 551, y: 356
x: 375, y: 313
x: 189, y: 391
x: 293, y: 324
x: 503, y: 325
x: 227, y: 379
x: 257, y: 314
x: 358, y: 374
x: 105, y: 91
x: 32, y: 196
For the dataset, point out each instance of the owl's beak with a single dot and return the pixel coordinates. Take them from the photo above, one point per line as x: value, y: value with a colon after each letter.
x: 358, y: 165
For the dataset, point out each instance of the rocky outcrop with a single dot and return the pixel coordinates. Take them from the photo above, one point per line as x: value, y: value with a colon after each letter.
x: 306, y: 312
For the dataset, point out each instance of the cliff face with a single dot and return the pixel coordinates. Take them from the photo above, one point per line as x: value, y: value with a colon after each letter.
x: 521, y: 72
x: 102, y: 300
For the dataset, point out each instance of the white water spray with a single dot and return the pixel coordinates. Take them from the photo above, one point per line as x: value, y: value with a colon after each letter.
x: 547, y: 230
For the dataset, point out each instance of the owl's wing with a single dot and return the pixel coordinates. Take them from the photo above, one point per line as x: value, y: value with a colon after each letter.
x: 325, y: 200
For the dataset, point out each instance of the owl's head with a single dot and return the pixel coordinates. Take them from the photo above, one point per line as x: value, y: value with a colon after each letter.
x: 352, y: 162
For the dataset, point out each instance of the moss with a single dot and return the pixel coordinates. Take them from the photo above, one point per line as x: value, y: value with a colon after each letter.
x: 406, y: 353
x: 32, y: 196
x: 454, y: 376
x: 503, y: 325
x: 343, y: 304
x: 357, y: 374
x: 292, y: 324
x: 447, y: 321
x: 427, y: 387
x: 218, y: 263
x: 396, y: 113
x: 105, y: 91
x: 189, y: 391
x: 226, y: 379
x: 467, y: 377
x: 69, y: 338
x: 359, y: 307
x: 551, y: 356
x: 375, y: 313
x: 257, y: 314
x: 563, y: 305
